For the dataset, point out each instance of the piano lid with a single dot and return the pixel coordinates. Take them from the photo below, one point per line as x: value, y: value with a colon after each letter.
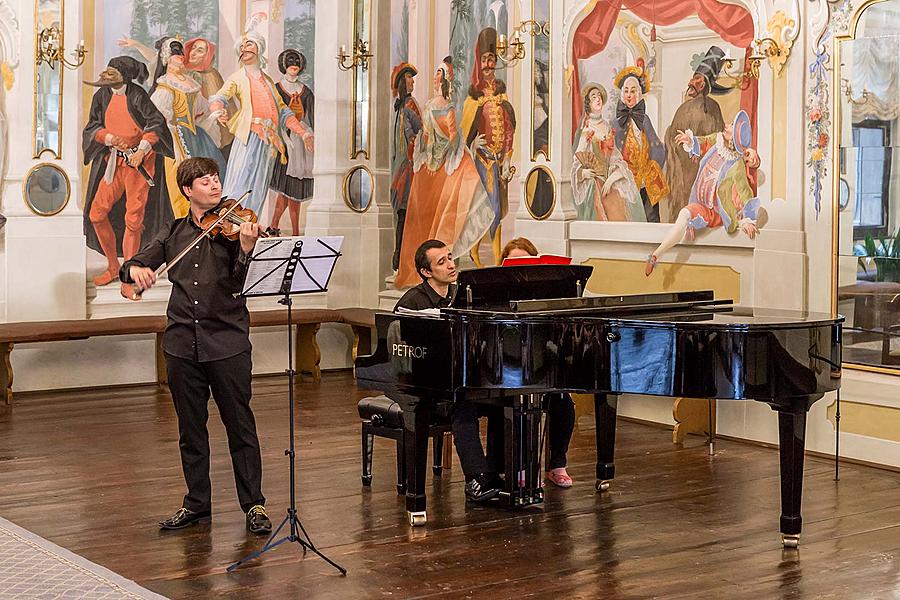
x: 496, y: 287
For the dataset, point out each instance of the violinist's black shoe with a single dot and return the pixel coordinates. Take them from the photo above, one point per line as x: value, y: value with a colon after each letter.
x: 272, y: 232
x: 184, y: 517
x: 482, y: 487
x: 258, y: 521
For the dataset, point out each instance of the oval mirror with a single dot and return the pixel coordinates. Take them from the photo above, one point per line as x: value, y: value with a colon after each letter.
x: 358, y: 188
x: 540, y: 193
x: 46, y: 189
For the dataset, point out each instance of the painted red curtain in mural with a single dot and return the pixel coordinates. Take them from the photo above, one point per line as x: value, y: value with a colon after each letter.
x: 733, y: 23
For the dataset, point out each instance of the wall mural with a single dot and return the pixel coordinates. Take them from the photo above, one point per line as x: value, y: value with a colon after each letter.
x: 451, y: 158
x: 161, y: 99
x: 627, y: 165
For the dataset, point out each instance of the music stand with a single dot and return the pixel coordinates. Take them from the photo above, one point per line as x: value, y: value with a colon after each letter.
x: 285, y: 267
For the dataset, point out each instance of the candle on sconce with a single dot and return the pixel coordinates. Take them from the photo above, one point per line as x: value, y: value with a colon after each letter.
x: 343, y: 50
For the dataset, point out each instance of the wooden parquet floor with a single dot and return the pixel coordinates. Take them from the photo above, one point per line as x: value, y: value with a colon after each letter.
x: 94, y: 470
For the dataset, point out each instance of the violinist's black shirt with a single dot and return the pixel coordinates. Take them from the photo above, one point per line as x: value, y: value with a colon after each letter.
x: 206, y: 321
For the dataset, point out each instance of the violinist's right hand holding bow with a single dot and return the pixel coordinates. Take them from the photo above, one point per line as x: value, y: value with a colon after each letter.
x: 143, y: 277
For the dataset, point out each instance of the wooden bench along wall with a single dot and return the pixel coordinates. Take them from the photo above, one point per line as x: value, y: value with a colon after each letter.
x: 306, y: 320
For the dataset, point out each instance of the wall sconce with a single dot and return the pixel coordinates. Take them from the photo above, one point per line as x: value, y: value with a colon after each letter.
x: 511, y: 51
x: 49, y: 49
x: 763, y: 49
x: 360, y: 58
x: 847, y: 89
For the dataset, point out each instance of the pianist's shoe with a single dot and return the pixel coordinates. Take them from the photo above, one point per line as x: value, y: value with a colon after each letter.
x: 184, y: 517
x: 482, y: 487
x: 258, y: 521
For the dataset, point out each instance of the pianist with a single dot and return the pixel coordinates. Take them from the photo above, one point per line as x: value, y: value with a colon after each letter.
x: 434, y: 263
x: 560, y: 409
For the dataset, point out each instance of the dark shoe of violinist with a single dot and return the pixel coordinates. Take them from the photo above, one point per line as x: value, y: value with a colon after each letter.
x: 184, y: 517
x: 258, y: 521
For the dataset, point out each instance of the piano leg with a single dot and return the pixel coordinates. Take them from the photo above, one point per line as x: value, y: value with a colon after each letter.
x: 510, y: 496
x: 605, y: 419
x: 416, y: 420
x: 792, y: 444
x: 521, y: 422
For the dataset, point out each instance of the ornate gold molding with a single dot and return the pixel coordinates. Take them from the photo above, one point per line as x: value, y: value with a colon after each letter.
x: 782, y: 29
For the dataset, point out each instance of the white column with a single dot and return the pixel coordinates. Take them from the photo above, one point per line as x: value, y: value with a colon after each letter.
x: 44, y: 256
x: 551, y: 236
x: 368, y: 236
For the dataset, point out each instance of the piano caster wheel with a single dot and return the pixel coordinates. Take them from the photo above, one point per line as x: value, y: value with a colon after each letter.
x: 416, y: 519
x: 602, y: 485
x: 790, y: 541
x: 367, y: 480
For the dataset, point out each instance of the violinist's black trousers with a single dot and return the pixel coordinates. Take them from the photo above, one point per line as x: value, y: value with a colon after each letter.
x: 229, y: 380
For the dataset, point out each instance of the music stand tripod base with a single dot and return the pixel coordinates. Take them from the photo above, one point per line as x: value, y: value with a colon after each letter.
x: 273, y: 271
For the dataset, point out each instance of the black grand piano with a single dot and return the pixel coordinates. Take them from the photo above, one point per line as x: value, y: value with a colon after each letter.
x: 512, y: 334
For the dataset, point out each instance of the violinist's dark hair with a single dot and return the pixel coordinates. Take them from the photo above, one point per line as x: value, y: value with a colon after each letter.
x: 194, y: 168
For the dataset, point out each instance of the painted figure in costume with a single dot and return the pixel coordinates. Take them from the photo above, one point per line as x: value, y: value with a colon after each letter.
x: 602, y: 184
x: 178, y: 98
x: 258, y: 126
x: 721, y: 194
x: 489, y: 124
x: 125, y: 141
x: 200, y: 54
x: 447, y: 200
x: 407, y: 124
x: 703, y: 116
x: 293, y: 181
x: 637, y: 140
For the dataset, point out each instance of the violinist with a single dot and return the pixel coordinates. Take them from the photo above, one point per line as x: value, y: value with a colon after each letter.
x: 207, y: 344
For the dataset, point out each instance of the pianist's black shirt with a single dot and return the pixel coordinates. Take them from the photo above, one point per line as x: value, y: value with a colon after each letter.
x: 206, y: 321
x: 421, y: 297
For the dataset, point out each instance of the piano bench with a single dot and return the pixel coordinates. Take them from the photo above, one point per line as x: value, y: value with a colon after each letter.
x: 383, y: 417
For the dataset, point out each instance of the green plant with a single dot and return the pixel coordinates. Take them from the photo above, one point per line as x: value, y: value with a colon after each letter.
x: 884, y: 253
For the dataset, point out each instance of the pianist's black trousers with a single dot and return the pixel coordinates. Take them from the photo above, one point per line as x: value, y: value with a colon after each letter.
x: 467, y: 438
x: 229, y: 380
x: 561, y: 423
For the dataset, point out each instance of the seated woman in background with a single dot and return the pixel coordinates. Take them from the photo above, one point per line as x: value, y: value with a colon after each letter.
x: 560, y: 408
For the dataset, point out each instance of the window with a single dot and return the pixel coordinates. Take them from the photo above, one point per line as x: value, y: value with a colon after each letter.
x: 872, y: 141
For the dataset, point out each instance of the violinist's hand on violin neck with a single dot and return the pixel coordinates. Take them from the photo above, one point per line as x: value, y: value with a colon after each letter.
x: 249, y: 235
x: 143, y: 277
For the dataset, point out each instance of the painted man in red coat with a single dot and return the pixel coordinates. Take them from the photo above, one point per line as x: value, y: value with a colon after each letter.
x: 125, y: 140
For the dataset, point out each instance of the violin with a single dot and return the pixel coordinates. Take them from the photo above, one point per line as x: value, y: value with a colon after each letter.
x: 225, y: 220
x: 234, y: 216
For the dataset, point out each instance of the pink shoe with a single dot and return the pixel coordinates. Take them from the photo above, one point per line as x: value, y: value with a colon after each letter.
x: 559, y: 478
x: 651, y: 264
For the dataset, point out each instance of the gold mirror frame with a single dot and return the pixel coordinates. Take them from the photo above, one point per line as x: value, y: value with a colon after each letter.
x: 534, y: 41
x: 346, y: 188
x: 528, y: 200
x: 835, y: 146
x: 27, y: 178
x: 57, y: 71
x: 362, y: 9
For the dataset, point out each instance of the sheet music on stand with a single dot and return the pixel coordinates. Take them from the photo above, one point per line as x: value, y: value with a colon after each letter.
x: 291, y: 265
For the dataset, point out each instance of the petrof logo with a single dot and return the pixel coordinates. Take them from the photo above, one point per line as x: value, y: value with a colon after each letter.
x: 405, y: 351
